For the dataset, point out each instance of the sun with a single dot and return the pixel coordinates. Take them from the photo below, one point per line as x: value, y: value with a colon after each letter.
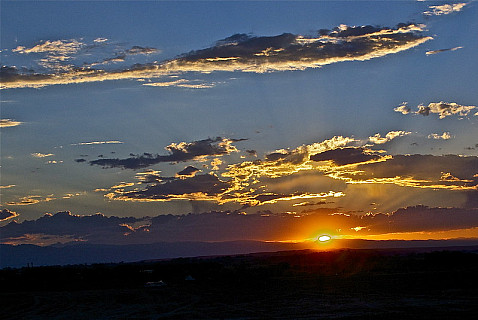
x: 324, y: 238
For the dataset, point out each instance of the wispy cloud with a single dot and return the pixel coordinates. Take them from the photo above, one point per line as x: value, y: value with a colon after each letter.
x: 442, y: 50
x: 183, y: 83
x: 42, y: 155
x: 444, y: 9
x: 7, y: 186
x: 443, y: 109
x: 96, y: 142
x: 378, y: 139
x: 5, y: 123
x: 244, y: 53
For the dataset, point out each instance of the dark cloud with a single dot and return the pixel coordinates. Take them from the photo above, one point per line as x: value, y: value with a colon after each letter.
x: 141, y: 50
x: 291, y: 52
x: 80, y: 160
x: 235, y: 225
x: 345, y: 156
x: 252, y: 153
x: 95, y: 228
x: 189, y: 171
x: 184, y: 151
x: 6, y: 214
x: 422, y: 218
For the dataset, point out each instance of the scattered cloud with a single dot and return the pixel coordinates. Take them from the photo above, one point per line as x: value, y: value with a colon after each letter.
x: 443, y: 109
x: 442, y: 50
x: 54, y: 161
x: 42, y: 155
x: 56, y: 53
x: 6, y: 214
x: 378, y: 139
x: 403, y: 108
x: 5, y: 123
x: 239, y: 52
x: 443, y: 136
x: 444, y: 9
x: 183, y: 151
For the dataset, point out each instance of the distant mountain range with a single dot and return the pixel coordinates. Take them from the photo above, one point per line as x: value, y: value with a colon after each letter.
x: 83, y: 253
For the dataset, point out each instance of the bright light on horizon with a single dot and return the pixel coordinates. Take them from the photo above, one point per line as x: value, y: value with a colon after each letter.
x: 324, y: 238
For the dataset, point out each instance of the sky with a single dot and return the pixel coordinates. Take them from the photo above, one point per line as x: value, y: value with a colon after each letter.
x: 143, y: 121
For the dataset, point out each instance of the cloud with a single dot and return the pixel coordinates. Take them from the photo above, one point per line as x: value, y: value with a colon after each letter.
x: 96, y: 142
x: 56, y: 53
x: 188, y: 172
x: 236, y: 184
x: 436, y: 136
x: 245, y: 53
x: 183, y: 83
x: 29, y: 200
x: 198, y: 187
x: 442, y: 50
x: 141, y: 50
x: 377, y: 139
x: 42, y: 155
x: 444, y: 9
x: 443, y: 109
x: 241, y: 52
x: 58, y: 47
x: 403, y: 109
x: 6, y: 214
x: 5, y: 123
x: 183, y: 151
x: 7, y: 186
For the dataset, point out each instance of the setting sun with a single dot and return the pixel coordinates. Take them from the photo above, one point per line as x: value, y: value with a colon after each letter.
x: 324, y: 238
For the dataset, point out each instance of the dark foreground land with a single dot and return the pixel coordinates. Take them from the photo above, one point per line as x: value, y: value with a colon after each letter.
x: 342, y: 284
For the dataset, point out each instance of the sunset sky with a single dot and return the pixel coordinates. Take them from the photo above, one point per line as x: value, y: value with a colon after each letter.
x: 271, y: 121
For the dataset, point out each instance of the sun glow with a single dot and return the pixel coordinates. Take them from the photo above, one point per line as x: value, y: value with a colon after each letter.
x: 324, y: 238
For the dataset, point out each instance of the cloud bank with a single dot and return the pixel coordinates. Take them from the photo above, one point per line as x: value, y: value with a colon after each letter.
x: 239, y: 52
x: 230, y: 226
